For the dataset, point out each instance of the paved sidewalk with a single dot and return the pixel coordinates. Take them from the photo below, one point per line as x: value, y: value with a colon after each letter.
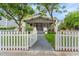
x: 66, y: 53
x: 27, y: 53
x: 37, y: 53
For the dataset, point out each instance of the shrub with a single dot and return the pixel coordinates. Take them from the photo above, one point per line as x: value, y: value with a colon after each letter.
x: 7, y: 28
x: 62, y: 26
x: 28, y: 27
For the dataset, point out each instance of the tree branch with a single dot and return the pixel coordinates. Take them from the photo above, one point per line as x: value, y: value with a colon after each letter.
x: 8, y: 12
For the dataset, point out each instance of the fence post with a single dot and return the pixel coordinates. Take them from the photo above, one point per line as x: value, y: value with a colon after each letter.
x: 69, y: 34
x: 5, y: 40
x: 72, y: 40
x: 0, y: 40
x: 3, y: 36
x: 78, y: 41
x: 14, y: 40
x: 22, y: 40
x: 56, y: 41
x: 63, y: 40
x: 27, y: 40
x: 60, y: 40
x: 75, y: 40
x: 67, y: 38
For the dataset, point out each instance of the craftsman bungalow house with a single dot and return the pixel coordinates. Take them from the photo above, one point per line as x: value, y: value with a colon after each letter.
x: 41, y: 23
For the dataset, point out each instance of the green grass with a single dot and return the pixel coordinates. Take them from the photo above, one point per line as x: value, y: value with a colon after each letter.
x: 51, y: 38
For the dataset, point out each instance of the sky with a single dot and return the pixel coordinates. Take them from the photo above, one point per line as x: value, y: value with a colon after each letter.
x: 60, y: 16
x: 70, y: 7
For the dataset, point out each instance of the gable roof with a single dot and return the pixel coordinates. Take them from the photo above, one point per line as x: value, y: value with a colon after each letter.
x: 40, y: 19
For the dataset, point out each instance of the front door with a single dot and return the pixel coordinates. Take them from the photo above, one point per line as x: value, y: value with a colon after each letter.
x: 39, y: 27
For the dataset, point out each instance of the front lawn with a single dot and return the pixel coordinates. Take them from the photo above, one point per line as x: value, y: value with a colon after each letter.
x: 50, y: 36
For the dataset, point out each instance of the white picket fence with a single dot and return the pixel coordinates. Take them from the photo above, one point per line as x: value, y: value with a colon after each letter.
x: 14, y: 40
x: 67, y: 41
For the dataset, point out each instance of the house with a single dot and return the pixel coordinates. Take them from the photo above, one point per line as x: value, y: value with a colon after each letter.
x: 41, y: 23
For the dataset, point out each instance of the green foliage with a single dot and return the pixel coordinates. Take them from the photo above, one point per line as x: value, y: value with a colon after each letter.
x: 76, y: 25
x: 62, y: 26
x: 50, y: 36
x: 49, y: 8
x: 72, y: 20
x: 16, y: 12
x: 28, y: 27
x: 7, y: 28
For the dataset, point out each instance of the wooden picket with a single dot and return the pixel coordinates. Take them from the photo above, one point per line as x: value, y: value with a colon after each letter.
x: 15, y: 40
x: 67, y: 41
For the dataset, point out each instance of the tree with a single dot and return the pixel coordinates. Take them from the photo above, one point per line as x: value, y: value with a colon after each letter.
x: 62, y: 26
x: 76, y: 25
x: 72, y: 20
x: 50, y: 8
x: 16, y: 12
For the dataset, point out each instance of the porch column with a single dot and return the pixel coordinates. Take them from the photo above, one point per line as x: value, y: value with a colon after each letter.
x: 45, y: 30
x: 56, y: 26
x: 34, y: 28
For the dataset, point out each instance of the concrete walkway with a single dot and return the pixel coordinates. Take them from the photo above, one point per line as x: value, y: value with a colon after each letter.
x: 38, y: 53
x: 42, y: 44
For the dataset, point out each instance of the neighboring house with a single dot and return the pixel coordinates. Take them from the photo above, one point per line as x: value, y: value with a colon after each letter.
x: 4, y: 23
x: 41, y: 23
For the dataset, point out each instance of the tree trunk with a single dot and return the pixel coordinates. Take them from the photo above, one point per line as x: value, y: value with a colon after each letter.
x: 20, y: 29
x: 53, y: 21
x: 20, y: 26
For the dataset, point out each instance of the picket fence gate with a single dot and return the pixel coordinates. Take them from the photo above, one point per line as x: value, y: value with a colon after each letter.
x: 67, y: 41
x: 15, y: 40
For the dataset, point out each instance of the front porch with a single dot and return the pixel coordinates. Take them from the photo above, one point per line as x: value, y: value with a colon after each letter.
x: 41, y: 23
